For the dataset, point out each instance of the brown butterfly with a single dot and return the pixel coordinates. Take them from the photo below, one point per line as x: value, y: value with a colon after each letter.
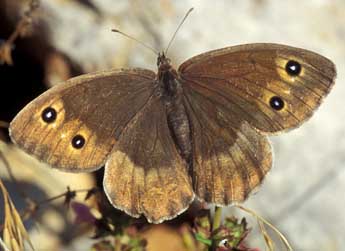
x: 167, y: 137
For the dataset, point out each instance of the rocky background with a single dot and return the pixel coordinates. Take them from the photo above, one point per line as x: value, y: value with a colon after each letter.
x: 304, y: 193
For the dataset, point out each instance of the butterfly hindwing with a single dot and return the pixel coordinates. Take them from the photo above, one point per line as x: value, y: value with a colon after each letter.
x: 145, y: 174
x: 230, y: 158
x: 272, y: 87
x: 94, y: 106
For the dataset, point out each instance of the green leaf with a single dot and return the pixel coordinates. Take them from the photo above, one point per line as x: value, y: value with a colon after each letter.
x: 200, y: 238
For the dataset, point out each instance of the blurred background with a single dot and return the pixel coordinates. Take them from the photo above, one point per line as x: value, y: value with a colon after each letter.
x: 303, y: 195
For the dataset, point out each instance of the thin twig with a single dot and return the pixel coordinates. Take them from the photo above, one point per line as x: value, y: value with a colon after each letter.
x: 21, y: 28
x: 4, y: 124
x: 46, y: 201
x: 39, y: 204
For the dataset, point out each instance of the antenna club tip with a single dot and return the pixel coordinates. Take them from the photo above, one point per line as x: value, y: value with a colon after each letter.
x: 114, y: 30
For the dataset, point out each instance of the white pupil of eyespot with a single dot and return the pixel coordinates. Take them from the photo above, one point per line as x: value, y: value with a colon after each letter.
x: 223, y: 243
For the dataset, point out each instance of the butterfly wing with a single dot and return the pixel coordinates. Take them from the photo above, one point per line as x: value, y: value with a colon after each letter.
x: 94, y: 107
x: 272, y: 87
x: 230, y: 158
x: 145, y: 174
x: 233, y: 97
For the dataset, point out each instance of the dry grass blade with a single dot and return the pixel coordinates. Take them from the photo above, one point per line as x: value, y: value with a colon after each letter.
x: 267, y: 238
x: 14, y: 232
x: 3, y: 245
x: 259, y: 218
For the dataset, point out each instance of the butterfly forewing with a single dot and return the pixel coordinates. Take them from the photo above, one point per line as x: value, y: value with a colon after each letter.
x: 75, y: 125
x: 272, y: 87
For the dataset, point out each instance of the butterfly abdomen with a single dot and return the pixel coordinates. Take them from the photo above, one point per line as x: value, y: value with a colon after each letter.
x: 179, y: 127
x: 176, y: 114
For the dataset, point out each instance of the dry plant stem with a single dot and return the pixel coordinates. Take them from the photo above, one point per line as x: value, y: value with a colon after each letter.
x: 14, y: 232
x: 281, y: 236
x: 4, y: 124
x: 187, y: 238
x: 12, y: 177
x: 117, y: 245
x: 217, y: 218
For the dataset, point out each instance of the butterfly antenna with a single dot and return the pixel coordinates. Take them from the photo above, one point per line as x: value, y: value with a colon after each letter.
x: 138, y: 41
x: 178, y: 28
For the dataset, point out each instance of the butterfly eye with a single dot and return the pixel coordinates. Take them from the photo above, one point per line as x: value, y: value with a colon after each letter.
x: 78, y: 141
x: 223, y: 243
x: 293, y: 68
x: 49, y: 115
x: 276, y: 103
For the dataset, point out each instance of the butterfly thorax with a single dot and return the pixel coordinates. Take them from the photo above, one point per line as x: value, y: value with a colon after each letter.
x: 167, y: 76
x: 172, y: 96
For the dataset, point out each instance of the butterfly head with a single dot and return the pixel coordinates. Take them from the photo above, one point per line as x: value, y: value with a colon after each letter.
x: 163, y: 61
x: 164, y: 66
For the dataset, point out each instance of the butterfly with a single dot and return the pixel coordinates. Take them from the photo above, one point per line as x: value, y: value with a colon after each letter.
x: 166, y: 138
